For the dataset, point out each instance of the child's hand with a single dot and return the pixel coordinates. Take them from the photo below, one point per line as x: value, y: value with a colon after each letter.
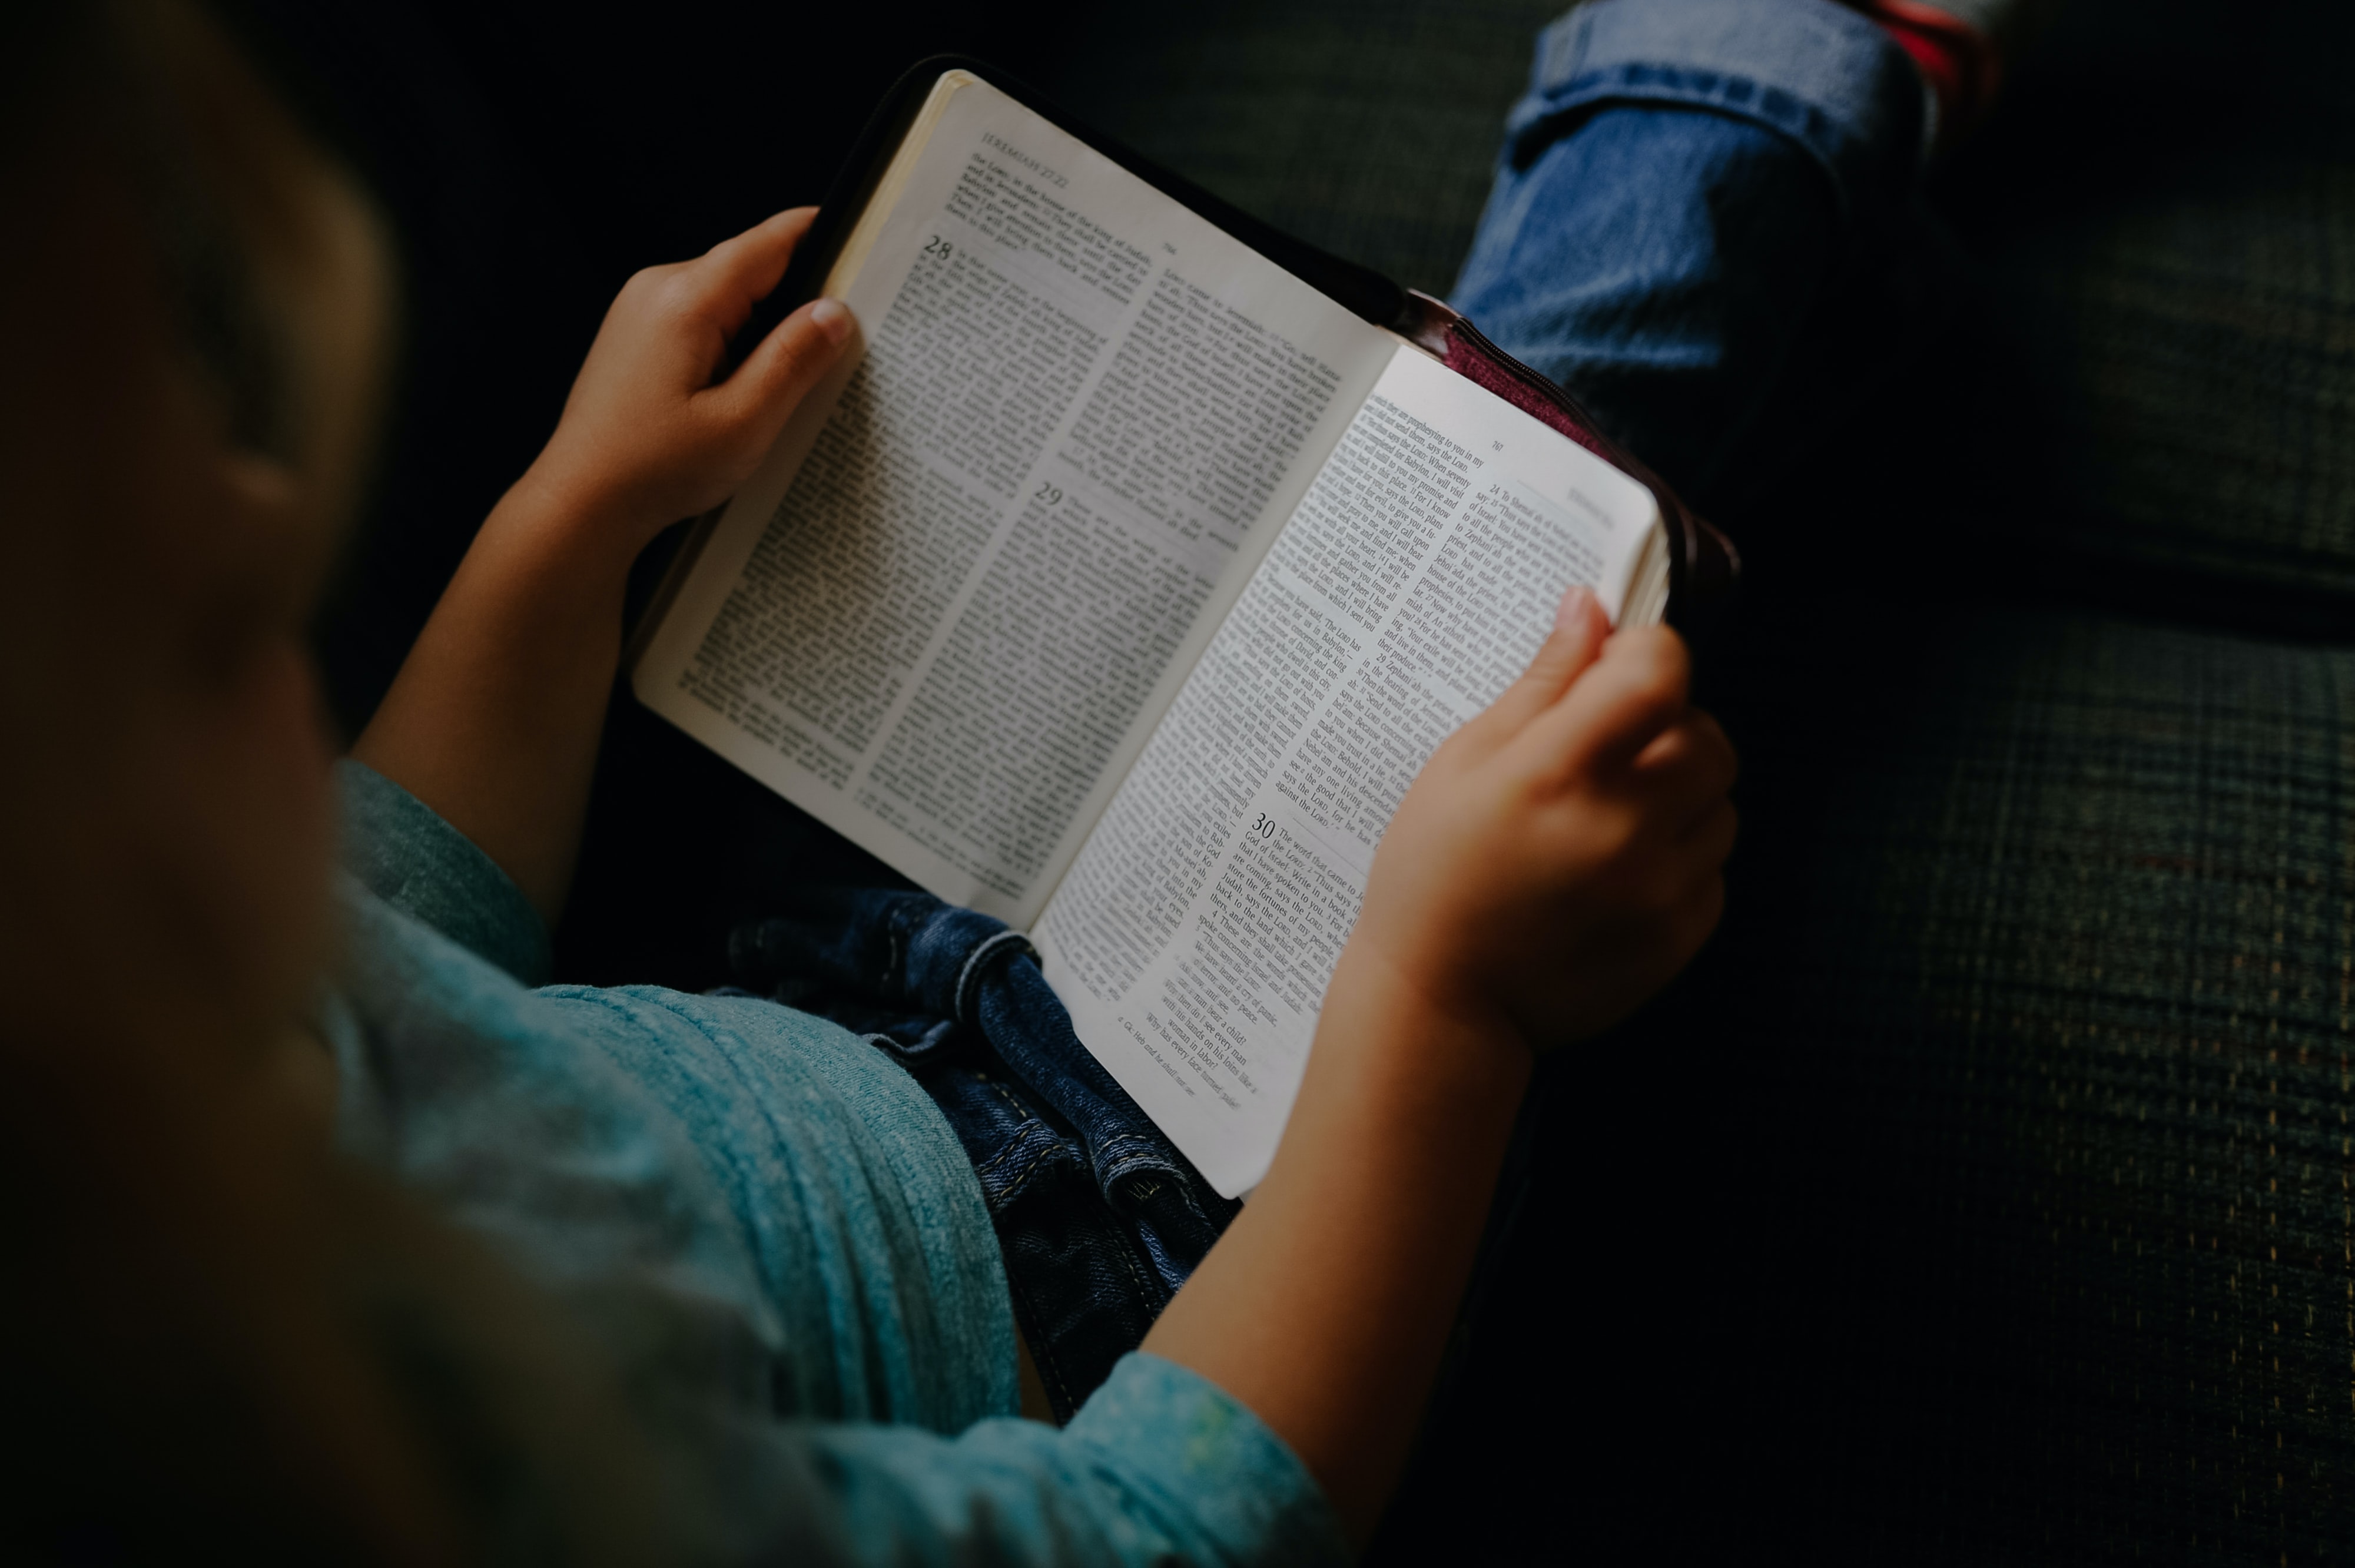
x: 646, y: 437
x: 1558, y: 859
x: 495, y: 719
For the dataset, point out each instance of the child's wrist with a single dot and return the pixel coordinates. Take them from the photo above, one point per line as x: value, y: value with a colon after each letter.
x: 1435, y: 1041
x: 579, y: 522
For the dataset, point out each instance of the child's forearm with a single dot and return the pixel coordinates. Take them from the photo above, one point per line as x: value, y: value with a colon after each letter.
x: 494, y: 720
x: 1328, y: 1304
x: 1555, y: 861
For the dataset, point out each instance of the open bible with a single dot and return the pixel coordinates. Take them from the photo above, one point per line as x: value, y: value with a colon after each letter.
x: 1119, y: 581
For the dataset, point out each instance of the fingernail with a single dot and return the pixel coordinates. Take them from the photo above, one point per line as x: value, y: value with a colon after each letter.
x: 1574, y: 604
x: 831, y: 317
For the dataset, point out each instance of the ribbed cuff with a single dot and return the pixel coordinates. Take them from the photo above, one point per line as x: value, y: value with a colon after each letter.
x: 1177, y: 1439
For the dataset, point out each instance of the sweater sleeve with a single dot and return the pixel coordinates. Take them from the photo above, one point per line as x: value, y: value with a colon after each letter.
x: 1159, y: 1466
x: 406, y: 855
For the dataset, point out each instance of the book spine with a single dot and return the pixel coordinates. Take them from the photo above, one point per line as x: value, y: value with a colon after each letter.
x: 1703, y: 566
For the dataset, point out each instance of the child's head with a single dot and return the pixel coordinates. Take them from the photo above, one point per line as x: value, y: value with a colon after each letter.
x: 194, y: 306
x: 213, y: 1324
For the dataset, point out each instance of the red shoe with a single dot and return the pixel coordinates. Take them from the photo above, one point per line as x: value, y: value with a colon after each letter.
x: 1960, y: 47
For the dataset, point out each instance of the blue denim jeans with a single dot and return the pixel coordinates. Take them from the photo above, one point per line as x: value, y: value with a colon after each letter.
x: 1705, y: 208
x: 1099, y: 1219
x: 1706, y: 224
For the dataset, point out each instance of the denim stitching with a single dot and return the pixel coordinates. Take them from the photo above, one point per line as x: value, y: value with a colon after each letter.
x: 1020, y: 1182
x: 1044, y: 1140
x: 1045, y: 1361
x: 1128, y: 1261
x: 1539, y: 126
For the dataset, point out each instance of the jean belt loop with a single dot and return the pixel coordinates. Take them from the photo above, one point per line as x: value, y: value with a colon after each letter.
x: 976, y: 966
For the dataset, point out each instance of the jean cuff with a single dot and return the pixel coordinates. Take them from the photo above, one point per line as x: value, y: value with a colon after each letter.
x: 1811, y: 70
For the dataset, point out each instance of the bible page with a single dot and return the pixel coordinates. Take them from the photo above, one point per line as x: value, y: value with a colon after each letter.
x: 945, y: 615
x: 1195, y: 933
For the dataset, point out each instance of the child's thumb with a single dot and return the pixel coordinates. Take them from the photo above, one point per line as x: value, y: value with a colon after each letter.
x: 1579, y: 627
x: 774, y: 378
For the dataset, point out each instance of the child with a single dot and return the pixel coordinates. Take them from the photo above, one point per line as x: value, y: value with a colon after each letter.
x: 419, y: 1263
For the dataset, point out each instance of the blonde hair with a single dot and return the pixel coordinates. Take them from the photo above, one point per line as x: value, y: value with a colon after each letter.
x: 217, y: 1329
